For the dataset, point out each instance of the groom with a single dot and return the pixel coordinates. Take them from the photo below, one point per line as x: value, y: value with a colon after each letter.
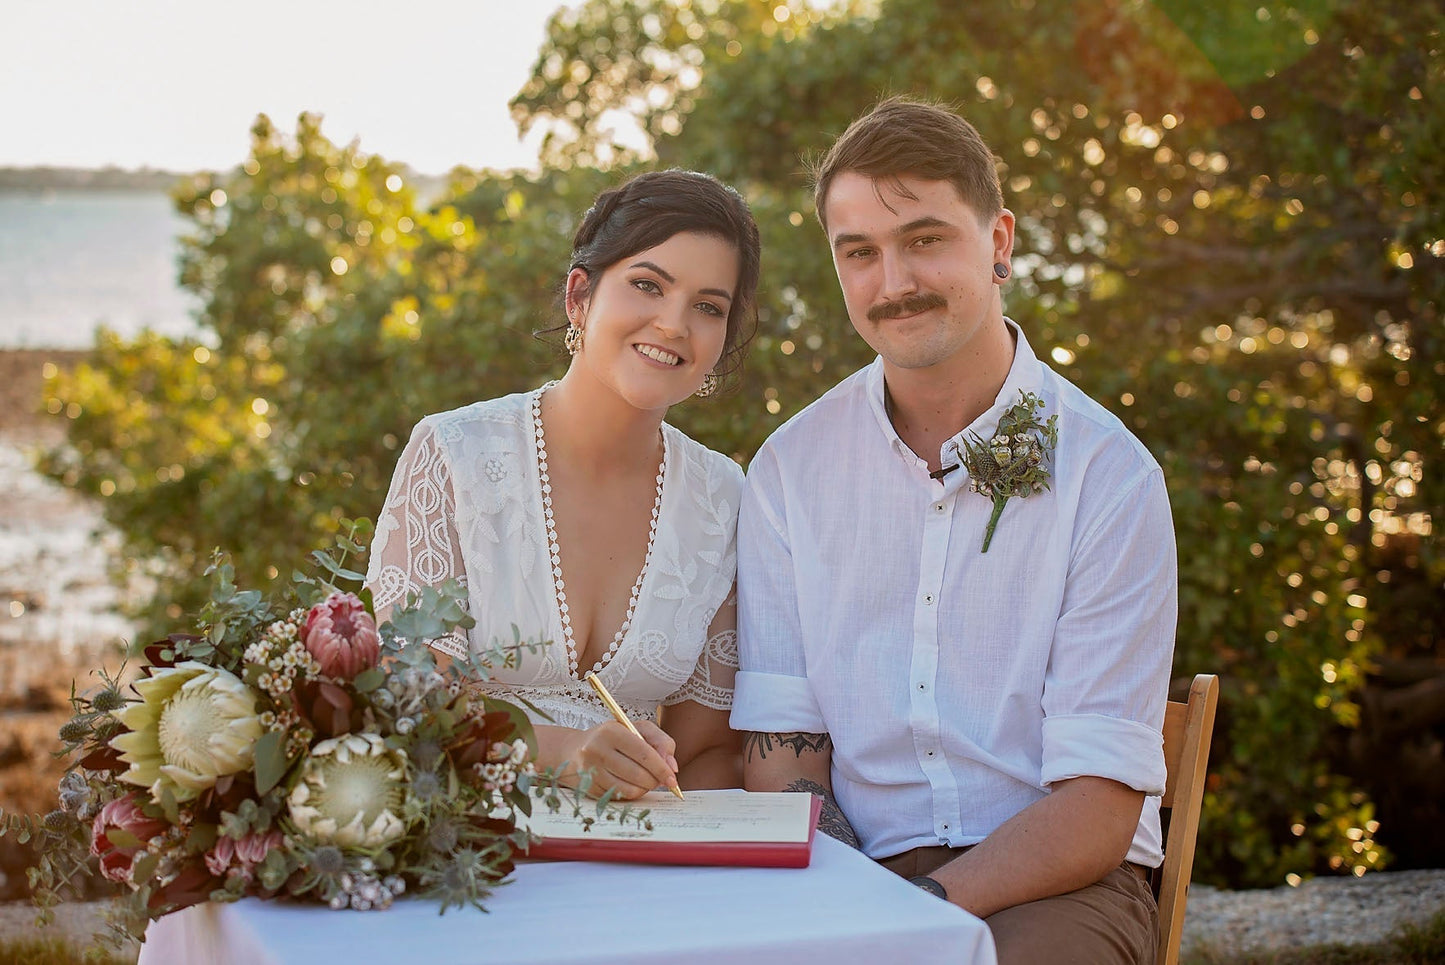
x: 957, y: 576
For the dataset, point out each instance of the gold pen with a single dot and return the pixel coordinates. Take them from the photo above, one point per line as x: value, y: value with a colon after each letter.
x: 616, y: 710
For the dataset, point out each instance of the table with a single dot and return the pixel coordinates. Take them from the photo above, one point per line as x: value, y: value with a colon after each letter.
x: 843, y: 908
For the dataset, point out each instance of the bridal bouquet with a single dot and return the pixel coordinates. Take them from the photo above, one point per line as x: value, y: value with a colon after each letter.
x: 293, y: 748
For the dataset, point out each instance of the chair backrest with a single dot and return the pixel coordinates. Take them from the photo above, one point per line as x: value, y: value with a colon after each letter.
x: 1188, y: 728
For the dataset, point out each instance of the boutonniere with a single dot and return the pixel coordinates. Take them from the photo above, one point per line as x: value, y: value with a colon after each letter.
x: 1016, y: 461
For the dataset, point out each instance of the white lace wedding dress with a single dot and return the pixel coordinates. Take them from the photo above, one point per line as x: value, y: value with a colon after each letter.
x: 467, y: 502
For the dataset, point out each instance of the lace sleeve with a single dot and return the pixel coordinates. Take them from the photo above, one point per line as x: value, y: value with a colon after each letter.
x: 416, y: 543
x: 711, y: 683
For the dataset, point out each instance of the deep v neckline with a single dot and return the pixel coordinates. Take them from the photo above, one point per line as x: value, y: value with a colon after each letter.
x: 559, y: 585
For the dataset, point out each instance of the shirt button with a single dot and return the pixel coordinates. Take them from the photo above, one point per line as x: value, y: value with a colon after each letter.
x: 945, y: 827
x: 930, y: 753
x: 923, y: 686
x: 928, y: 599
x: 938, y: 507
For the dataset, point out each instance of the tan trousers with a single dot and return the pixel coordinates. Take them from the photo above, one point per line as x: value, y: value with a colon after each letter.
x: 1114, y: 921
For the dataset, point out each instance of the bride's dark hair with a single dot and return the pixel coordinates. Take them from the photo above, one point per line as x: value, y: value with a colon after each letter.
x: 650, y: 208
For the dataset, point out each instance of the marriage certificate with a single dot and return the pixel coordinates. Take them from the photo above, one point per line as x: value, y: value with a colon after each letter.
x: 710, y: 827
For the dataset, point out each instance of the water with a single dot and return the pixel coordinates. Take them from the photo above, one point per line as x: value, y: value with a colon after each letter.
x: 56, y: 599
x: 69, y: 261
x: 73, y: 260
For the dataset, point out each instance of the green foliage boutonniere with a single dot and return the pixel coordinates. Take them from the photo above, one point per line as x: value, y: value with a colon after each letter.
x: 1015, y: 462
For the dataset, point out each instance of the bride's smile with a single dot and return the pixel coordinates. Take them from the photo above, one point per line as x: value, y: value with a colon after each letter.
x: 659, y: 355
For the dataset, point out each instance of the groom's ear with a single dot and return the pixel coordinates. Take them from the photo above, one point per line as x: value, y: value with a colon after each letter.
x: 1003, y: 235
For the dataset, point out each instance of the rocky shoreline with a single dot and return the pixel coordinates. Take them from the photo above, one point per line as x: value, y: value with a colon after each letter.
x: 57, y: 605
x: 21, y: 383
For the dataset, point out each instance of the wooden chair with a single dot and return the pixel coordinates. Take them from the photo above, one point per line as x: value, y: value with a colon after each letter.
x: 1188, y: 728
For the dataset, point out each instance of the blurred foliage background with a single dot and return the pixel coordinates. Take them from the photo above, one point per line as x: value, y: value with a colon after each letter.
x: 1231, y: 232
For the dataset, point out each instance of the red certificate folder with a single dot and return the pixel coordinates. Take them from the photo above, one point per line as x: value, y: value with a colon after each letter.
x: 720, y: 828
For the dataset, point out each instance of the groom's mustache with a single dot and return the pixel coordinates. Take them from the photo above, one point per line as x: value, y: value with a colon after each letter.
x: 906, y: 306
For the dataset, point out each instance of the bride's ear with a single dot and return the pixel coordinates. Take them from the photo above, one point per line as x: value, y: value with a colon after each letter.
x: 575, y: 301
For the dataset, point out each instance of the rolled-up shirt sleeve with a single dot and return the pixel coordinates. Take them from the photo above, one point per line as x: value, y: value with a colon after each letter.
x: 773, y: 694
x: 1108, y: 674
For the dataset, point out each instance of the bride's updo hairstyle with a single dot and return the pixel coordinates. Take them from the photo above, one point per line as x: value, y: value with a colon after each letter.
x: 650, y: 208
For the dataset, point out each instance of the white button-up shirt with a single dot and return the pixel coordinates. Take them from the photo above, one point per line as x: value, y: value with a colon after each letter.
x: 957, y: 685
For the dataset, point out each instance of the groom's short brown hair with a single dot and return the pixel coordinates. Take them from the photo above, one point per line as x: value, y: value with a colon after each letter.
x: 906, y: 137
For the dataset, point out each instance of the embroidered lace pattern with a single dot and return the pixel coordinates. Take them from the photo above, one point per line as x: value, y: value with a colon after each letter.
x: 572, y: 704
x: 555, y: 555
x: 466, y: 502
x: 424, y: 519
x: 721, y: 662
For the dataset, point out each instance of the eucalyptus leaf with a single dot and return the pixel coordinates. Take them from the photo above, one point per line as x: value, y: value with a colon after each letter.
x: 169, y: 806
x: 273, y: 870
x: 201, y: 838
x: 145, y: 866
x: 368, y: 680
x: 122, y: 838
x: 271, y: 761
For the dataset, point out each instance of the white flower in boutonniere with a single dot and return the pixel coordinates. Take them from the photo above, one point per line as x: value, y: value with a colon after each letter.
x: 1016, y: 461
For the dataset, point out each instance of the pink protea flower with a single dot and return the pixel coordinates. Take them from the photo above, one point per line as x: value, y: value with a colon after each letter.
x: 342, y: 636
x: 122, y: 814
x: 240, y: 857
x: 253, y: 848
x: 219, y: 858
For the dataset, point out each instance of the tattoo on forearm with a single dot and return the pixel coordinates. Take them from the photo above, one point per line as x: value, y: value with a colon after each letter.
x: 797, y: 742
x: 831, y: 820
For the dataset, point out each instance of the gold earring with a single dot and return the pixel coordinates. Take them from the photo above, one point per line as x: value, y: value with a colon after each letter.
x: 709, y: 385
x: 572, y: 340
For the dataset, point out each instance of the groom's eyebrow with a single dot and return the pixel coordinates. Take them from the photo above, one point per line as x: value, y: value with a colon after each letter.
x: 917, y: 224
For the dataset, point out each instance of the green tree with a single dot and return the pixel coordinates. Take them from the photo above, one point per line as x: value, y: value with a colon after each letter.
x: 335, y: 314
x: 1225, y: 235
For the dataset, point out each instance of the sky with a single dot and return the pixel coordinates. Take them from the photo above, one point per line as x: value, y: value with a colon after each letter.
x: 176, y: 84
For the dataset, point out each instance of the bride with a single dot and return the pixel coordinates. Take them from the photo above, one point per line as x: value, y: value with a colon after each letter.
x: 576, y: 514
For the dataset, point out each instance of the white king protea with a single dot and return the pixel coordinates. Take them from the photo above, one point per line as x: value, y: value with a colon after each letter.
x: 349, y: 792
x: 193, y: 724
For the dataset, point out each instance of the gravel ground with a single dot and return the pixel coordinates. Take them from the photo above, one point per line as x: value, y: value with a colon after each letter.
x: 1350, y: 911
x: 78, y: 922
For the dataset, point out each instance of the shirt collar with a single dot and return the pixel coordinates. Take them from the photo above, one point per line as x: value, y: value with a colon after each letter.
x: 1024, y: 375
x: 877, y: 402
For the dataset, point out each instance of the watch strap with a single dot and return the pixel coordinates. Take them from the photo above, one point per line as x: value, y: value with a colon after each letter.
x: 930, y: 885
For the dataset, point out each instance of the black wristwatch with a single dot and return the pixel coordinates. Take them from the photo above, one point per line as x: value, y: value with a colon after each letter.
x: 930, y: 885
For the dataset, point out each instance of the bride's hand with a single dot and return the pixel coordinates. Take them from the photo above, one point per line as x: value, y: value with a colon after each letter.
x: 619, y: 760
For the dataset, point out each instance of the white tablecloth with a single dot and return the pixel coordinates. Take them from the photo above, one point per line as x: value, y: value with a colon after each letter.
x: 841, y: 909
